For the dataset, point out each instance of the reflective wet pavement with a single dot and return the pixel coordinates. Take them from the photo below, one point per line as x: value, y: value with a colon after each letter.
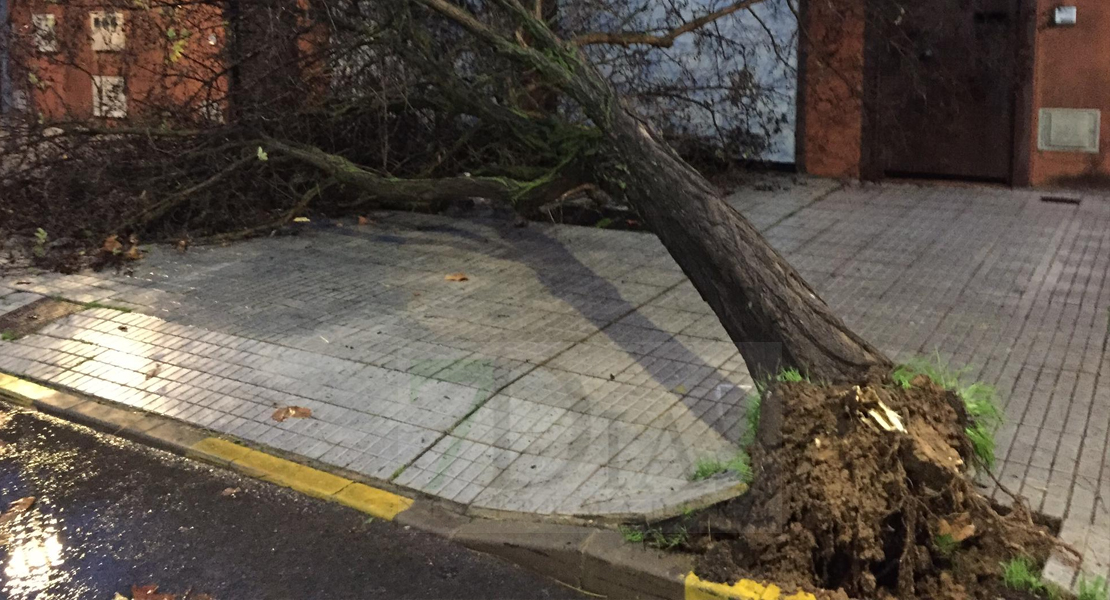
x: 110, y: 514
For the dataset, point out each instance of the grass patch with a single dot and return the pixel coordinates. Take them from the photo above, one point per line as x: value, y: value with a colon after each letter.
x: 632, y: 535
x: 903, y: 375
x: 751, y: 416
x: 655, y: 537
x: 1021, y: 574
x: 739, y: 465
x: 8, y: 335
x: 979, y: 398
x: 791, y: 376
x: 946, y: 545
x: 1093, y: 589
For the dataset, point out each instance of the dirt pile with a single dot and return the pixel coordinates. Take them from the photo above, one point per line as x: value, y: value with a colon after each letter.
x: 863, y: 491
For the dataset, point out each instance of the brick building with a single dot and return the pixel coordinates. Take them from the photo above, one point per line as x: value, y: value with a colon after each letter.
x: 1007, y: 91
x: 995, y: 90
x: 75, y: 61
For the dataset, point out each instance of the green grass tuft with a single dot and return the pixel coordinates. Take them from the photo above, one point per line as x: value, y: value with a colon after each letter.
x: 666, y: 541
x: 7, y: 335
x: 706, y: 468
x: 739, y: 465
x: 903, y: 376
x: 982, y: 443
x: 1093, y: 589
x: 654, y: 536
x: 632, y: 535
x: 791, y: 376
x: 755, y: 400
x: 946, y: 545
x: 1021, y: 574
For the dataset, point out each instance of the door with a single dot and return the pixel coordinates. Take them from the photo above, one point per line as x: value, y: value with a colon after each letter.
x: 944, y: 77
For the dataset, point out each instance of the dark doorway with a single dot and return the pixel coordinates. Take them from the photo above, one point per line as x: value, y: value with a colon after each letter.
x: 942, y: 78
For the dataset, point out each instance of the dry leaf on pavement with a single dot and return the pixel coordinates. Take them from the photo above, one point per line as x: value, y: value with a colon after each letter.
x: 230, y: 491
x: 291, y: 412
x: 112, y: 244
x: 301, y: 220
x: 15, y: 508
x: 457, y: 277
x: 149, y: 592
x: 363, y: 220
x: 133, y: 253
x: 153, y: 372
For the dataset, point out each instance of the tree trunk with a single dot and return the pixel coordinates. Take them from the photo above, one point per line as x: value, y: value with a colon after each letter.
x: 775, y: 318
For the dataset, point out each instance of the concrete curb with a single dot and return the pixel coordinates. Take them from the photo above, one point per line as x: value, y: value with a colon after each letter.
x: 594, y: 560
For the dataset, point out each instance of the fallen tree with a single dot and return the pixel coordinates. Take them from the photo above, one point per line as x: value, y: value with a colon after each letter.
x: 497, y: 105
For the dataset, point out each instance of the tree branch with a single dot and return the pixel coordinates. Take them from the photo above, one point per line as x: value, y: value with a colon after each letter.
x: 524, y: 196
x: 665, y: 40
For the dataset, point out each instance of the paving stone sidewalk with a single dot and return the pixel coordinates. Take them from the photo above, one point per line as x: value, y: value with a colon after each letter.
x: 577, y: 371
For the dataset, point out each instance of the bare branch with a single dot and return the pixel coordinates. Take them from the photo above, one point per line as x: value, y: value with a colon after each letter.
x: 665, y: 40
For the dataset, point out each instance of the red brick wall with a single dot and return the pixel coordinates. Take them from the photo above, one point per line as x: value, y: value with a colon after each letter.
x: 1072, y: 70
x: 832, y: 112
x: 158, y: 86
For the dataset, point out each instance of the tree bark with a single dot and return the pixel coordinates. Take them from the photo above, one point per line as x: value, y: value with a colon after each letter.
x: 775, y: 318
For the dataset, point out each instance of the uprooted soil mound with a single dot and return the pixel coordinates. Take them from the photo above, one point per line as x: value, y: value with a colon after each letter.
x: 854, y: 500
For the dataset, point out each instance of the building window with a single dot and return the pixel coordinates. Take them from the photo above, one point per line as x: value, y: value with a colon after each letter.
x: 42, y: 27
x: 106, y: 28
x: 109, y: 97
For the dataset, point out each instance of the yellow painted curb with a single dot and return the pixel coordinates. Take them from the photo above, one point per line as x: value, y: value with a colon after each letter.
x: 314, y: 482
x: 745, y: 589
x: 21, y: 391
x: 373, y: 501
x: 222, y: 449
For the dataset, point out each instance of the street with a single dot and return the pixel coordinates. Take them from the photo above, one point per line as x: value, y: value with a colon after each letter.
x: 110, y: 514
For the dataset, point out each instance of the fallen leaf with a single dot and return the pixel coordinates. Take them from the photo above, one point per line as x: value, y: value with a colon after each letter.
x: 230, y: 491
x: 153, y: 372
x: 15, y: 508
x: 457, y: 277
x: 133, y: 253
x: 134, y: 239
x: 363, y: 220
x: 149, y: 592
x: 182, y: 246
x: 112, y: 244
x: 291, y: 412
x: 119, y: 596
x: 22, y: 504
x: 122, y: 328
x: 301, y: 220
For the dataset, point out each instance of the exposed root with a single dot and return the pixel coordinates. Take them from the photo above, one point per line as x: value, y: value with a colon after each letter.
x: 851, y: 499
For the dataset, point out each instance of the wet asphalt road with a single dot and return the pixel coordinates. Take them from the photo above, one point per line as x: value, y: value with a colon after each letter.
x: 110, y: 514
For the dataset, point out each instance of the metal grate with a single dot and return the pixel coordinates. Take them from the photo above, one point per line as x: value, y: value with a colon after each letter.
x: 1061, y: 199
